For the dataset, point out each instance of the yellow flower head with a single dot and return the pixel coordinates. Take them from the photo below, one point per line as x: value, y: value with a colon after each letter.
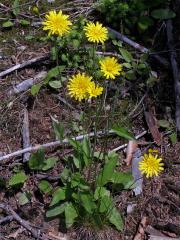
x: 96, y: 33
x: 110, y: 67
x: 56, y: 23
x: 78, y: 86
x: 151, y: 165
x: 94, y: 90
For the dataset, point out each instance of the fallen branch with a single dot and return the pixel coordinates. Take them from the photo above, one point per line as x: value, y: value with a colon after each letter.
x: 125, y: 145
x: 108, y: 54
x: 35, y: 233
x: 25, y: 85
x: 139, y: 47
x: 51, y: 144
x: 155, y: 234
x: 25, y: 134
x: 25, y: 64
x: 175, y: 71
x: 6, y: 219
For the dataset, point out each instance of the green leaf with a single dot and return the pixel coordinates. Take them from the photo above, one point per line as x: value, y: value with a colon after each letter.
x: 108, y: 170
x: 127, y: 56
x: 77, y: 180
x: 8, y: 24
x: 55, y: 84
x: 106, y: 204
x: 86, y: 150
x: 126, y: 179
x: 130, y: 75
x: 65, y: 175
x: 18, y: 178
x: 54, y: 53
x: 101, y: 192
x: 24, y: 22
x: 75, y: 43
x: 116, y: 219
x: 70, y: 214
x: 163, y: 14
x: 29, y: 37
x: 87, y: 202
x: 58, y: 195
x: 164, y: 123
x: 58, y: 129
x: 36, y: 161
x: 55, y: 211
x: 123, y: 132
x: 49, y: 163
x: 45, y: 186
x: 35, y: 89
x: 54, y: 72
x: 144, y: 22
x: 24, y: 198
x: 75, y: 144
x: 99, y: 155
x: 173, y: 138
x: 15, y: 7
x: 127, y: 65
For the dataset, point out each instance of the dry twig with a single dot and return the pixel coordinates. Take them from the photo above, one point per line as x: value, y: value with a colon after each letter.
x: 25, y: 134
x: 26, y: 84
x: 51, y: 144
x: 35, y: 233
x: 139, y: 47
x: 125, y: 145
x: 23, y: 65
x: 175, y: 70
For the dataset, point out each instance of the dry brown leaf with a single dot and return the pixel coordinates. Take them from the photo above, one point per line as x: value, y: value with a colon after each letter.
x: 153, y: 127
x: 131, y: 148
x: 141, y: 229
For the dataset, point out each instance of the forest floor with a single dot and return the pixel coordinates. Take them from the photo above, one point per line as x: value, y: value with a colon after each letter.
x: 158, y: 204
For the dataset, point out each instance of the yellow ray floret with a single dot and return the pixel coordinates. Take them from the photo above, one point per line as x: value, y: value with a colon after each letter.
x: 110, y: 67
x: 96, y: 33
x: 94, y: 90
x: 56, y: 23
x: 78, y: 86
x: 151, y: 165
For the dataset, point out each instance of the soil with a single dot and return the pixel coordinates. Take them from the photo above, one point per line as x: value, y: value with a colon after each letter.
x: 159, y: 200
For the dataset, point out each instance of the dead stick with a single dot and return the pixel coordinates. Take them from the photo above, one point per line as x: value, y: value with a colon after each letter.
x: 65, y: 141
x: 139, y: 47
x: 25, y: 224
x: 125, y: 145
x: 51, y: 144
x: 26, y: 84
x: 6, y: 219
x: 175, y: 70
x: 25, y: 134
x: 25, y: 64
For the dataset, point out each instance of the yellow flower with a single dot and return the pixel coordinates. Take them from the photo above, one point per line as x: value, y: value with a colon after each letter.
x: 151, y: 165
x: 78, y: 86
x: 96, y: 33
x: 94, y: 90
x: 56, y: 23
x: 110, y: 68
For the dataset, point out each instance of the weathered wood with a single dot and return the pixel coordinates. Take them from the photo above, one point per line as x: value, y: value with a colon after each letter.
x: 139, y: 47
x: 175, y: 70
x: 26, y: 84
x: 23, y: 65
x: 25, y: 134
